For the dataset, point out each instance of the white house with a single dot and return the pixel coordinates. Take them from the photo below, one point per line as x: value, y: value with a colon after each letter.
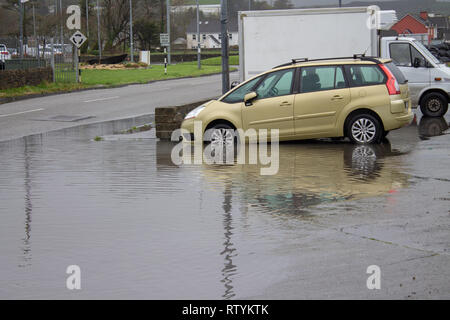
x: 207, y: 9
x: 210, y: 34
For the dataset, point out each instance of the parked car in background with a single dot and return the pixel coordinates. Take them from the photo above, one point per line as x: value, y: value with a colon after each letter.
x: 361, y: 98
x: 4, y: 53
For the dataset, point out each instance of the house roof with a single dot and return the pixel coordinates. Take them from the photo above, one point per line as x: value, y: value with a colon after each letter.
x: 440, y: 22
x: 415, y: 16
x: 210, y: 26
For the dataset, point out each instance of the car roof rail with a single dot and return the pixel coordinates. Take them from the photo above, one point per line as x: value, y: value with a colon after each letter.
x: 360, y: 56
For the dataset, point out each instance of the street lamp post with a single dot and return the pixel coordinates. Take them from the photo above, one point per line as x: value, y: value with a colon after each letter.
x: 224, y: 44
x: 34, y: 32
x: 61, y: 22
x: 21, y: 29
x: 87, y: 21
x: 98, y: 34
x: 199, y: 64
x: 131, y: 33
x: 168, y: 29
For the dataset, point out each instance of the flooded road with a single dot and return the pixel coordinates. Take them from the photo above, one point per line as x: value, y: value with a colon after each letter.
x: 139, y: 226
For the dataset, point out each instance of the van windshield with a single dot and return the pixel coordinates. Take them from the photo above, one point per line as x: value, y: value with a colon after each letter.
x: 425, y: 51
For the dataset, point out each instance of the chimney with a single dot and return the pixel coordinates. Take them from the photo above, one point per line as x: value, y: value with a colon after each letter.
x: 424, y: 15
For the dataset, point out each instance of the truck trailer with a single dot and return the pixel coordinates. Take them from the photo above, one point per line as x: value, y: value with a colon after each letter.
x: 268, y: 38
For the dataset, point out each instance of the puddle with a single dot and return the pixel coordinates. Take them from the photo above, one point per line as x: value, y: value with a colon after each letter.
x: 140, y: 227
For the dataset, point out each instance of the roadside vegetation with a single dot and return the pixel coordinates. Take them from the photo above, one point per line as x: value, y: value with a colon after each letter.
x: 92, y: 78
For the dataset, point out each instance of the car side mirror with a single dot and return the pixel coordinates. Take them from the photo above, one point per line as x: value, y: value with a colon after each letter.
x: 249, y: 97
x: 234, y: 84
x: 417, y: 62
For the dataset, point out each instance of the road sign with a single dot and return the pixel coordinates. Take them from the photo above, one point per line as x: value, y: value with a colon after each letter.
x: 78, y: 39
x: 164, y: 39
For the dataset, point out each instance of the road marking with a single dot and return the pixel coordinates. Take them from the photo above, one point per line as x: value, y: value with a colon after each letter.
x: 101, y: 99
x: 14, y: 114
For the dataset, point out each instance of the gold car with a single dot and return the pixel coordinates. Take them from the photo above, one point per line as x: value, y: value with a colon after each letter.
x: 361, y: 98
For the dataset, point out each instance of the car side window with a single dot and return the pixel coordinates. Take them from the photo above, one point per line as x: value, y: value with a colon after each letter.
x: 238, y: 94
x: 321, y: 78
x: 278, y: 83
x: 365, y: 75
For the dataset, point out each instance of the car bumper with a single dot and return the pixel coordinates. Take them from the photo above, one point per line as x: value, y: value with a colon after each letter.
x: 187, y: 126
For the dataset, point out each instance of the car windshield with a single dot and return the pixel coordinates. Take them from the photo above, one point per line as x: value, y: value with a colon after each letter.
x: 2, y: 47
x: 425, y: 51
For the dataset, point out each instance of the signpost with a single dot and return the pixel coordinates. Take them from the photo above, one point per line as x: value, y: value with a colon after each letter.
x: 164, y: 40
x: 74, y: 22
x: 78, y: 39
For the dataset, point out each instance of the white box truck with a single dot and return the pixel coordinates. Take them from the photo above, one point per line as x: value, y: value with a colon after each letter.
x: 272, y: 37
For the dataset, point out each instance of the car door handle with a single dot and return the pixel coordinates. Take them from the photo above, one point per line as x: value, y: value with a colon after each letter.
x: 337, y: 97
x: 285, y: 103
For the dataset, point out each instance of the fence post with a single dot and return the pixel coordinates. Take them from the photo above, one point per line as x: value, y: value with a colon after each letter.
x: 76, y: 64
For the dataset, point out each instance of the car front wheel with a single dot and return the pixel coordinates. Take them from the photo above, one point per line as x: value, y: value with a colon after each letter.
x: 364, y: 128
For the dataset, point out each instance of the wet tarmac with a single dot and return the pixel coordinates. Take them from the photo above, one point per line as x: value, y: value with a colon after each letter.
x: 139, y: 226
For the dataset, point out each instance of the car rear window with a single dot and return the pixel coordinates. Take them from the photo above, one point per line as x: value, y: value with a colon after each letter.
x: 365, y: 75
x: 398, y: 74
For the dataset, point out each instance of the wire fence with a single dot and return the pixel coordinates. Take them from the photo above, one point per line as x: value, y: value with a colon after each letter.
x: 40, y: 52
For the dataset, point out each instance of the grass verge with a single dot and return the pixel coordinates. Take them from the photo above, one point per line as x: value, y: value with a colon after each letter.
x: 108, y: 78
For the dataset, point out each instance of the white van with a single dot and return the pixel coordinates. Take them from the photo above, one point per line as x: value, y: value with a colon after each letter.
x: 428, y: 78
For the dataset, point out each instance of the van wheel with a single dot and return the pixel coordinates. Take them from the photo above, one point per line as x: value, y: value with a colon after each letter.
x: 434, y: 104
x: 364, y: 128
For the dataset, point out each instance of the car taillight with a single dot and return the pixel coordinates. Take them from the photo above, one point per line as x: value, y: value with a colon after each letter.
x: 4, y: 52
x: 391, y: 83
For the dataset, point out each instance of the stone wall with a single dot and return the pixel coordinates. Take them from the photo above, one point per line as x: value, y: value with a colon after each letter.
x: 28, y: 77
x: 168, y: 119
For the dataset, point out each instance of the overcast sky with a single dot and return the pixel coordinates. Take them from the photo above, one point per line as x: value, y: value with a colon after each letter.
x: 332, y: 2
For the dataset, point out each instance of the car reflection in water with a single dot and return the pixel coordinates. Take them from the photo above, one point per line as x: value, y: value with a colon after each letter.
x: 432, y: 126
x: 310, y: 173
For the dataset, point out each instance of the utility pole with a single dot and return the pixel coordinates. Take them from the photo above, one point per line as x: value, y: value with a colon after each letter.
x: 61, y: 22
x: 34, y: 32
x: 21, y: 29
x: 249, y: 5
x: 224, y: 44
x: 168, y: 29
x: 340, y: 3
x: 87, y: 21
x: 98, y: 34
x: 199, y: 64
x: 131, y: 32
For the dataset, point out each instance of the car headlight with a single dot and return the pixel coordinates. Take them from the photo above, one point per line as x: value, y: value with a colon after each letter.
x: 194, y: 112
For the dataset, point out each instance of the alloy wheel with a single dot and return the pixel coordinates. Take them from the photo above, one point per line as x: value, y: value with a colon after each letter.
x: 363, y: 130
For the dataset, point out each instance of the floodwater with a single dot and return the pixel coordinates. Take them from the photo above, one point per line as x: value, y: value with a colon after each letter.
x: 139, y: 226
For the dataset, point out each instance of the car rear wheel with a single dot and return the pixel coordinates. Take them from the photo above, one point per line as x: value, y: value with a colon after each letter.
x: 364, y: 128
x: 434, y: 104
